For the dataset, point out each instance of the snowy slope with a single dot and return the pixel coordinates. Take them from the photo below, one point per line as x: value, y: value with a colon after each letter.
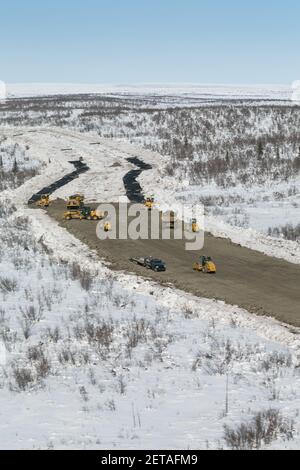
x: 158, y: 377
x: 118, y: 399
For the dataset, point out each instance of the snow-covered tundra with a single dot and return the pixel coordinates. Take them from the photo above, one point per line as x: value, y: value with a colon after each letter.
x: 97, y: 359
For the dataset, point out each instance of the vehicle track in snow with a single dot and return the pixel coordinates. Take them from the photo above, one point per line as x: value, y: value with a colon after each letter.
x: 132, y: 186
x: 80, y: 166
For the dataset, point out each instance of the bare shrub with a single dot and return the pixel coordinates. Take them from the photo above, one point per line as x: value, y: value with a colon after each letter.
x: 288, y: 232
x: 9, y: 337
x: 67, y: 356
x: 221, y: 355
x: 187, y: 312
x: 111, y: 405
x: 8, y: 285
x: 53, y: 334
x: 43, y: 367
x: 265, y: 427
x: 137, y: 332
x: 92, y: 377
x: 100, y: 336
x: 41, y: 363
x: 30, y: 316
x: 121, y: 384
x: 276, y: 360
x: 3, y: 318
x: 23, y: 378
x: 83, y: 276
x: 84, y: 394
x: 34, y: 353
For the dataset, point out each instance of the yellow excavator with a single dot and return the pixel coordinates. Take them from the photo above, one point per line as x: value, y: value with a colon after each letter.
x: 205, y: 265
x: 44, y: 201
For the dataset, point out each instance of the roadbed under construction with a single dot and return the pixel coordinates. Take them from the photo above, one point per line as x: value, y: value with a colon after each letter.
x: 249, y: 279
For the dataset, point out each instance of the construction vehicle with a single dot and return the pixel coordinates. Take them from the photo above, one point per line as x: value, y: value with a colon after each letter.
x: 44, y: 201
x: 74, y: 214
x: 205, y: 265
x: 195, y: 226
x: 91, y: 214
x: 84, y: 213
x: 149, y: 203
x: 155, y: 264
x: 75, y: 202
x: 107, y: 227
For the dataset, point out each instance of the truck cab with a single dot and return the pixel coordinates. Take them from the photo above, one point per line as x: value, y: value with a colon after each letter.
x: 155, y: 264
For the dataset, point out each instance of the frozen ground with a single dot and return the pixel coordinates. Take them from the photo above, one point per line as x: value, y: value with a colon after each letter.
x: 157, y: 381
x: 258, y: 209
x: 181, y: 91
x: 102, y: 360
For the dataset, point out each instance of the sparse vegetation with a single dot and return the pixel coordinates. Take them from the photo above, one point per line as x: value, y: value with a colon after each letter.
x: 264, y: 427
x: 80, y: 342
x: 15, y: 165
x: 289, y: 232
x: 228, y: 144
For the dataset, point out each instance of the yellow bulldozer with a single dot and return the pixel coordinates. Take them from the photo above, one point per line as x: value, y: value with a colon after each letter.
x: 205, y: 265
x: 75, y: 201
x: 44, y: 201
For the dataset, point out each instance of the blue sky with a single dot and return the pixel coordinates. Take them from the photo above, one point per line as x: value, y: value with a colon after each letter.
x: 131, y: 41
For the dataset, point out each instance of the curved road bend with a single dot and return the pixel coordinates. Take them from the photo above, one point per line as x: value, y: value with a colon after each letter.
x: 247, y: 278
x: 80, y: 168
x: 132, y: 187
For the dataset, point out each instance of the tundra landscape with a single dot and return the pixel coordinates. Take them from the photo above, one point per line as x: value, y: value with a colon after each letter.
x: 97, y: 351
